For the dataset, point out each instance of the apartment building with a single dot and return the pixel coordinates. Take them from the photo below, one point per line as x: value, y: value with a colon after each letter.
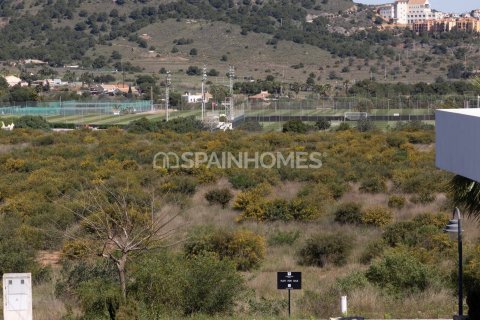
x: 409, y: 11
x: 447, y: 24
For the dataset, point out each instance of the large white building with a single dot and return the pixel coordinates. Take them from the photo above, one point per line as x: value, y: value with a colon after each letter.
x: 409, y: 11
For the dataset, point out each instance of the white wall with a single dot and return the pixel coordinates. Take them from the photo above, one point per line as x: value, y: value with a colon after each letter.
x: 458, y: 141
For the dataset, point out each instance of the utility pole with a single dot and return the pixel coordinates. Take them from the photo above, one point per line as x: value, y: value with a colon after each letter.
x: 123, y: 74
x: 151, y: 98
x: 168, y: 83
x: 204, y: 79
x: 231, y: 76
x: 231, y: 104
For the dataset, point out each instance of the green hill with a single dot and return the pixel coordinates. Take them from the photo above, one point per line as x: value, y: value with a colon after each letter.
x: 258, y: 37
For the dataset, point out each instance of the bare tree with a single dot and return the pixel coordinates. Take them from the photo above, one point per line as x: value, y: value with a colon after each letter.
x: 119, y: 226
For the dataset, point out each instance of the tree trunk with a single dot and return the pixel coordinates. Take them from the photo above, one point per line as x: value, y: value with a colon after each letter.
x: 121, y: 273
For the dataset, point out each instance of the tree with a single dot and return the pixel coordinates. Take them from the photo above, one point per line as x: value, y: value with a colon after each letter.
x: 323, y: 124
x: 194, y: 71
x: 116, y: 55
x: 218, y: 92
x: 87, y: 78
x: 118, y: 225
x: 69, y: 76
x: 295, y: 126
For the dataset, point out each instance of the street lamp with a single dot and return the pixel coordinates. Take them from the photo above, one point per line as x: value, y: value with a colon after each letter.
x: 453, y: 227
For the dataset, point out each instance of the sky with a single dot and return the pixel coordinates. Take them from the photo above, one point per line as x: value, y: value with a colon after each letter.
x: 456, y: 6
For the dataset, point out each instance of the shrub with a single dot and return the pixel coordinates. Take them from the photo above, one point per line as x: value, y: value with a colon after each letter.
x: 296, y: 126
x: 287, y: 210
x: 373, y: 250
x: 472, y: 284
x: 246, y: 249
x: 349, y: 213
x: 31, y: 122
x: 252, y: 197
x: 396, y: 140
x: 212, y: 285
x: 150, y: 288
x: 219, y: 196
x: 439, y: 220
x: 250, y: 125
x: 396, y: 201
x: 355, y: 280
x: 202, y: 284
x: 319, y: 196
x: 365, y: 125
x: 373, y: 184
x: 323, y: 124
x: 423, y: 197
x: 141, y: 125
x: 43, y: 141
x: 417, y: 233
x: 324, y: 249
x: 343, y: 126
x: 283, y: 238
x: 180, y: 184
x: 399, y: 272
x: 243, y: 180
x: 377, y: 216
x: 181, y: 125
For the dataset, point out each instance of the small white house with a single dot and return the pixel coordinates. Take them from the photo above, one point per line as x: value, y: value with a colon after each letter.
x: 56, y: 82
x: 195, y: 98
x: 13, y: 81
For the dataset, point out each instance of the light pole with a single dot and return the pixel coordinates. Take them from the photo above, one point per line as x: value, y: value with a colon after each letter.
x: 168, y: 83
x: 453, y: 227
x: 204, y: 79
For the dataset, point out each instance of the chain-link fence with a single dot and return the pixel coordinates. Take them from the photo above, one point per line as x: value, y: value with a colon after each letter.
x: 67, y: 108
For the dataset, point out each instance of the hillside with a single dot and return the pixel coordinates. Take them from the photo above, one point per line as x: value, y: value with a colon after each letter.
x: 261, y: 38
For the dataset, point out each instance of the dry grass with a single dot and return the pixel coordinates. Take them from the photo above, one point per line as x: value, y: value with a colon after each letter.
x: 368, y: 302
x: 45, y: 305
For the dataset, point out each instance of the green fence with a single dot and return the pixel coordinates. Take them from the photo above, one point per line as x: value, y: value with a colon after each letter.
x: 67, y: 108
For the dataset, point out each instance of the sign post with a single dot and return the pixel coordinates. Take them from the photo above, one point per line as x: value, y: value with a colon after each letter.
x: 289, y: 281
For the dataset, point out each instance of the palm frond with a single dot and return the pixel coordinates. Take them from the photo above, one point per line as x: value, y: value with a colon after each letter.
x: 466, y: 195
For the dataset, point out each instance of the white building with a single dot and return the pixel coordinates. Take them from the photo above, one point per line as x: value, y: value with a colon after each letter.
x: 476, y: 13
x: 419, y: 10
x: 195, y: 98
x: 457, y: 146
x: 387, y: 12
x: 409, y: 11
x: 13, y: 81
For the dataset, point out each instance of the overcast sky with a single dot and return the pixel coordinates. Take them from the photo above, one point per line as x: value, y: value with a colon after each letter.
x: 458, y: 6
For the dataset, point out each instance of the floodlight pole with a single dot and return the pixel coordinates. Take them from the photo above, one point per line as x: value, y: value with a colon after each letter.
x: 168, y: 82
x: 204, y: 79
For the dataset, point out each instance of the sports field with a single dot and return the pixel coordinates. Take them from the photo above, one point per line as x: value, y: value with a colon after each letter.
x: 111, y: 119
